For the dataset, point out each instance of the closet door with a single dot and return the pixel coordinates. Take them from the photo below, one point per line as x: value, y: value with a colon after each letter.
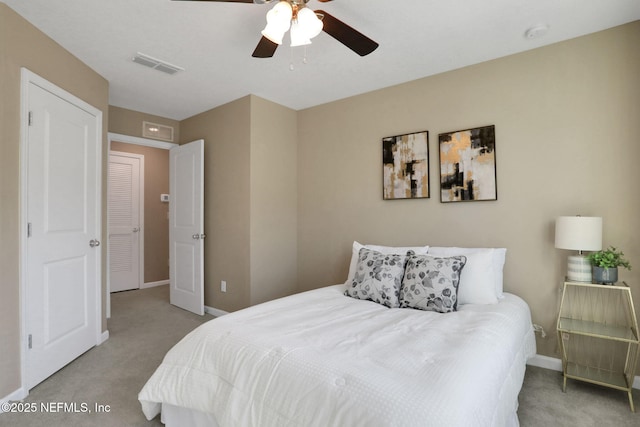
x: 125, y: 225
x: 63, y: 191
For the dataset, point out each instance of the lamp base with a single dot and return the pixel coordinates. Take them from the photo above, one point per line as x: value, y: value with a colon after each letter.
x: 579, y: 269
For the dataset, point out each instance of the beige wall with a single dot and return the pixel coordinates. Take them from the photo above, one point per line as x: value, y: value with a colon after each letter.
x: 129, y: 122
x: 226, y: 131
x: 156, y: 222
x: 273, y: 202
x: 567, y: 122
x: 250, y: 200
x: 22, y: 45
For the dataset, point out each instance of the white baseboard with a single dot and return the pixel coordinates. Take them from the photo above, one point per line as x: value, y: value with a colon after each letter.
x: 214, y: 311
x: 555, y: 364
x: 153, y: 284
x: 19, y: 394
x: 545, y: 362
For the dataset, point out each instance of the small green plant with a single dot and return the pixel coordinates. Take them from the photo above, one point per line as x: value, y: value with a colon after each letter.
x: 609, y: 258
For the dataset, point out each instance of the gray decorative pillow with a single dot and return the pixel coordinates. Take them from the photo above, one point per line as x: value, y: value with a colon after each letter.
x: 431, y: 283
x: 378, y: 277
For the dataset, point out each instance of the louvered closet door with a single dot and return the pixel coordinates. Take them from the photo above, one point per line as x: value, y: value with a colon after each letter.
x: 124, y: 222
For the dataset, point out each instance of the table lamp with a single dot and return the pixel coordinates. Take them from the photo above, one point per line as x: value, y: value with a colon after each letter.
x: 579, y: 233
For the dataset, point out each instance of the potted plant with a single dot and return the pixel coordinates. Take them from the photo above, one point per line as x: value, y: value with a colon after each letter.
x: 605, y: 265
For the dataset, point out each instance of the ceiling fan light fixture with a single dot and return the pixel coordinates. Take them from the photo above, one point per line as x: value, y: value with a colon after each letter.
x: 309, y: 22
x: 298, y: 35
x: 278, y: 22
x: 273, y: 32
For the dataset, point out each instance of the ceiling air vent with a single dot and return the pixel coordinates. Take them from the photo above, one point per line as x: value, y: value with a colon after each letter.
x: 156, y: 64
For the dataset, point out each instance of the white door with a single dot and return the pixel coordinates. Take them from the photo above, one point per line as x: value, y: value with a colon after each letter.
x: 186, y: 226
x: 62, y: 283
x: 125, y: 230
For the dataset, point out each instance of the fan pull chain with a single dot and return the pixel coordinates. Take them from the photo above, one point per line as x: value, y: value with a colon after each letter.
x: 291, y: 67
x: 291, y: 61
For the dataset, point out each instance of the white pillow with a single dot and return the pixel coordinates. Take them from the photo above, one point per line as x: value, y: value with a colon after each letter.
x: 399, y: 250
x: 481, y: 281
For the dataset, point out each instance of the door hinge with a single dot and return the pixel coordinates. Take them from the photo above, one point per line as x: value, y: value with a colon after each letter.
x: 28, y: 229
x: 30, y: 341
x: 30, y: 118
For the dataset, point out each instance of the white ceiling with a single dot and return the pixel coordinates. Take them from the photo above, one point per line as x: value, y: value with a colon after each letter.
x: 213, y: 42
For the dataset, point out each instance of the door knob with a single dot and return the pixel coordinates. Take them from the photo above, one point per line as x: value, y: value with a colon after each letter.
x: 94, y: 242
x: 196, y: 236
x: 135, y: 230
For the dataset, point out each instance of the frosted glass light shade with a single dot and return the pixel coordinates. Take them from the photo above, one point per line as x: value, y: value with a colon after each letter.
x: 278, y: 22
x: 580, y: 233
x: 298, y: 35
x: 305, y: 27
x: 310, y: 22
x: 274, y: 32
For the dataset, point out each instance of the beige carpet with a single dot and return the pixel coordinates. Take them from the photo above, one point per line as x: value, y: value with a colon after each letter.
x: 144, y: 326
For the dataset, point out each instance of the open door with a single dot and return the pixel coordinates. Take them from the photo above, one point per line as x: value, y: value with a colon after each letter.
x: 186, y: 226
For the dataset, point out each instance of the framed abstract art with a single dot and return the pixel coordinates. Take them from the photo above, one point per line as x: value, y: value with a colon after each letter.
x: 405, y: 164
x: 468, y: 165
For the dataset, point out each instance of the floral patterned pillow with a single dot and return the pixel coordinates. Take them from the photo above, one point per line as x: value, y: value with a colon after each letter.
x: 378, y: 277
x: 431, y: 283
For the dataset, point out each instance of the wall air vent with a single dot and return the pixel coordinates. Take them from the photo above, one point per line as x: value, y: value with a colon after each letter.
x: 157, y: 131
x: 156, y: 64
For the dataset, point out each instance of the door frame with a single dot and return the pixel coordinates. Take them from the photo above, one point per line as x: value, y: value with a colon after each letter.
x: 27, y: 78
x: 135, y: 140
x: 140, y: 158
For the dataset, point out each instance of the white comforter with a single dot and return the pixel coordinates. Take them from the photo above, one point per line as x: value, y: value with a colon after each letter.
x: 320, y: 358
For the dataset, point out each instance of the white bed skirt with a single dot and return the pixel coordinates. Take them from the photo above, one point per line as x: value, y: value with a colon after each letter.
x: 176, y: 416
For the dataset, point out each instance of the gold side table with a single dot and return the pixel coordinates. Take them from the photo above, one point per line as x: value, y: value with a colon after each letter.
x: 598, y: 335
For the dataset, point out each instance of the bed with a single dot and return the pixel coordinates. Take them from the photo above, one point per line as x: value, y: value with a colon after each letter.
x: 322, y: 358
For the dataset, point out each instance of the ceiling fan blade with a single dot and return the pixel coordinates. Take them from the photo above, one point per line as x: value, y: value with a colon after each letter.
x: 348, y: 36
x: 265, y: 48
x: 226, y: 1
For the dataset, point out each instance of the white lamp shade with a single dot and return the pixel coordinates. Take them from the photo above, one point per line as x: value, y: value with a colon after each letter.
x: 580, y: 233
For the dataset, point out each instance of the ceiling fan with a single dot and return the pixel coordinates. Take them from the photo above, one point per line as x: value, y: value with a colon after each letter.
x: 348, y: 36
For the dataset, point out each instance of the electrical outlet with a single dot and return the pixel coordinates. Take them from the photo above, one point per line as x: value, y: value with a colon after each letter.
x: 223, y: 285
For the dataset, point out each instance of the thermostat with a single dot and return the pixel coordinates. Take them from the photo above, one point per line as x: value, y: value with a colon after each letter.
x: 164, y: 197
